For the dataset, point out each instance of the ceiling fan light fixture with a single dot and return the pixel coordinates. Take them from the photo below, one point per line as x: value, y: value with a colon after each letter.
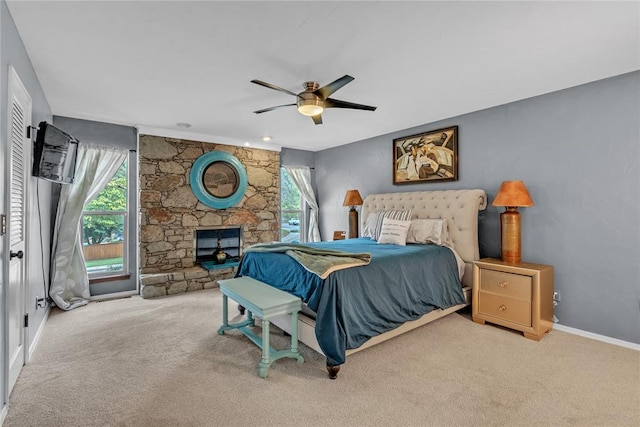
x: 310, y: 104
x: 310, y: 109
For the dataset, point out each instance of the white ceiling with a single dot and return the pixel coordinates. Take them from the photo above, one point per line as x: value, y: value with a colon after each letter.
x: 155, y: 63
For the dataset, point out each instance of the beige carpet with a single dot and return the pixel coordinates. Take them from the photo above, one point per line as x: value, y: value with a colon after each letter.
x: 159, y: 362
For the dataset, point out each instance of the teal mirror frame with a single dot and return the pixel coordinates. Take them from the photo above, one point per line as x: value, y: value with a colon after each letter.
x: 196, y: 178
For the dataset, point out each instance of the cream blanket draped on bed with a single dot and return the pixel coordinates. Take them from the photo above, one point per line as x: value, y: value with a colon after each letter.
x: 321, y: 262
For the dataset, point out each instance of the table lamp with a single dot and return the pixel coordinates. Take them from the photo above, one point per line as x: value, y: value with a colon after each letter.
x: 512, y: 195
x: 353, y: 199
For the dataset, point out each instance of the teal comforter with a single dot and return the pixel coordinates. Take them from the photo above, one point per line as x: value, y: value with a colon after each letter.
x: 401, y: 283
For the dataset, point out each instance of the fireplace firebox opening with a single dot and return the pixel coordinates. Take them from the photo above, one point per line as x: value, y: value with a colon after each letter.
x: 219, y: 247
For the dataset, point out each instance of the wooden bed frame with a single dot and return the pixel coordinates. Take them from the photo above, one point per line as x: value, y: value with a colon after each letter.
x: 460, y: 208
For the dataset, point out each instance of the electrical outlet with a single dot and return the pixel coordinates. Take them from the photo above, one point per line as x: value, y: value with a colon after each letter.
x: 556, y: 296
x: 40, y: 303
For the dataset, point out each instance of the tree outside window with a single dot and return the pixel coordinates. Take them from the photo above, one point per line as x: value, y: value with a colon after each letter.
x: 104, y: 234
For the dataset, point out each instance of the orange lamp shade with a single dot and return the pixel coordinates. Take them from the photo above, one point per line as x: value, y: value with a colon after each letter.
x: 352, y: 198
x: 513, y: 193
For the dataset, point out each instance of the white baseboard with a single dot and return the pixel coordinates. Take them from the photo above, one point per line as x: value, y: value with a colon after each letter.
x: 596, y: 337
x: 38, y: 334
x: 3, y: 412
x: 116, y: 295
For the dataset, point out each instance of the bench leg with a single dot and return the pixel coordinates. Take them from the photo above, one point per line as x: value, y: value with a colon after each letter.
x: 294, y: 338
x: 225, y: 315
x: 250, y: 319
x: 266, y: 356
x: 226, y: 326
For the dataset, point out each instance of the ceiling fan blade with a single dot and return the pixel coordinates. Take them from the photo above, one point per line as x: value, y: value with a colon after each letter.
x: 325, y: 91
x: 335, y: 103
x: 273, y: 108
x: 274, y: 87
x: 317, y: 119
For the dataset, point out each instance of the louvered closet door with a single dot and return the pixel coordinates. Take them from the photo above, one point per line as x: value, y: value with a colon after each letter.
x: 19, y: 116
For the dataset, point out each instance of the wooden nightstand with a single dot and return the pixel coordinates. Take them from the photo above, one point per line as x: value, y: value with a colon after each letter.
x: 518, y: 296
x: 339, y: 235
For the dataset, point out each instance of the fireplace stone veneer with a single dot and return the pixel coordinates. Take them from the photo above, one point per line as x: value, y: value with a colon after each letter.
x: 170, y: 213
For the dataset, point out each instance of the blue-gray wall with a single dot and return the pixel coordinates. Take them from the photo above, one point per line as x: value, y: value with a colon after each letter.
x: 292, y: 157
x: 577, y: 151
x: 91, y: 132
x: 38, y: 226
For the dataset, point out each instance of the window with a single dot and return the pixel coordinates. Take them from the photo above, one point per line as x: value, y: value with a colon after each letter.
x: 292, y: 210
x: 105, y: 231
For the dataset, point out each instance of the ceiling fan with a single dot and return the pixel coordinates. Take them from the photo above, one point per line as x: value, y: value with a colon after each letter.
x: 314, y: 99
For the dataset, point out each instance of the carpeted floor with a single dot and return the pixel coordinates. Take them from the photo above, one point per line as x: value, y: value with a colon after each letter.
x: 159, y: 362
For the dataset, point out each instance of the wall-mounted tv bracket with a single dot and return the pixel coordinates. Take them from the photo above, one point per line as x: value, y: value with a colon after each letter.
x: 29, y: 130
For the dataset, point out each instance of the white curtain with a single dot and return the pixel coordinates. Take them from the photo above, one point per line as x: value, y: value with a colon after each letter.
x: 301, y: 176
x: 95, y: 166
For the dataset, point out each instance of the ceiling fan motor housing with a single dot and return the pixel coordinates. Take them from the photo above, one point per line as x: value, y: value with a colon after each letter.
x: 310, y: 86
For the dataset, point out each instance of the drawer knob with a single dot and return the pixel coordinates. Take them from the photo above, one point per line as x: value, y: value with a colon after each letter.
x: 504, y: 284
x: 503, y: 307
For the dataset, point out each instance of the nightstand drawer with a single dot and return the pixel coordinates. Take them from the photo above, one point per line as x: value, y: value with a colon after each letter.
x: 510, y: 309
x: 508, y: 284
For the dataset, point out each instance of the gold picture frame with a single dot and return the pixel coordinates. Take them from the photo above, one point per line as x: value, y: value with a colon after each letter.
x: 426, y: 157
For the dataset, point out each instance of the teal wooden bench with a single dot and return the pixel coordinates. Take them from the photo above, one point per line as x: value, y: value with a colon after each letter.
x: 265, y: 302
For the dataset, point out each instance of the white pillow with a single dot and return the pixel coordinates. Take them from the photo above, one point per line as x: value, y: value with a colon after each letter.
x: 369, y: 225
x: 373, y: 224
x: 394, y: 232
x: 429, y: 231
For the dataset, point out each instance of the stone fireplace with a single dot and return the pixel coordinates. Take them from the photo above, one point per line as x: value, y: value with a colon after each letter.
x: 170, y: 213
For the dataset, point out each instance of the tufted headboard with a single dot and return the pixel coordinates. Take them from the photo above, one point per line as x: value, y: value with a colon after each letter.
x: 459, y: 207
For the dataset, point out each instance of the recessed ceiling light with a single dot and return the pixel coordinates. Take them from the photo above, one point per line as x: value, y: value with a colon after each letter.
x: 183, y: 125
x: 266, y: 138
x: 247, y: 143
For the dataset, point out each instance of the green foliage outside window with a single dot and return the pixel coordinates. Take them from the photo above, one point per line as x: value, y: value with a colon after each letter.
x: 113, y: 198
x: 290, y: 196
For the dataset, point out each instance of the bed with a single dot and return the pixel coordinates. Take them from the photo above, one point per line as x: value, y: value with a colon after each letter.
x: 401, y: 288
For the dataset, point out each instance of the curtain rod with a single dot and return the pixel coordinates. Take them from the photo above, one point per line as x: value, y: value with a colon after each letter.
x: 298, y: 166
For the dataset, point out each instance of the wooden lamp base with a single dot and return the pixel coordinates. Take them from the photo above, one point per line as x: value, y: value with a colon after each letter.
x: 510, y: 232
x: 353, y: 223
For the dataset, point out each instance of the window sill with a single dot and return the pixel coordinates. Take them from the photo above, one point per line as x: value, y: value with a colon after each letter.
x: 109, y: 279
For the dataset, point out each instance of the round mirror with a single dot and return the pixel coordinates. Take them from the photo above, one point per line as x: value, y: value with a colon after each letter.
x: 218, y: 179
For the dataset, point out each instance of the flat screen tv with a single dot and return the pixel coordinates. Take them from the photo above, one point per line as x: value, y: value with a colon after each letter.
x: 54, y: 154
